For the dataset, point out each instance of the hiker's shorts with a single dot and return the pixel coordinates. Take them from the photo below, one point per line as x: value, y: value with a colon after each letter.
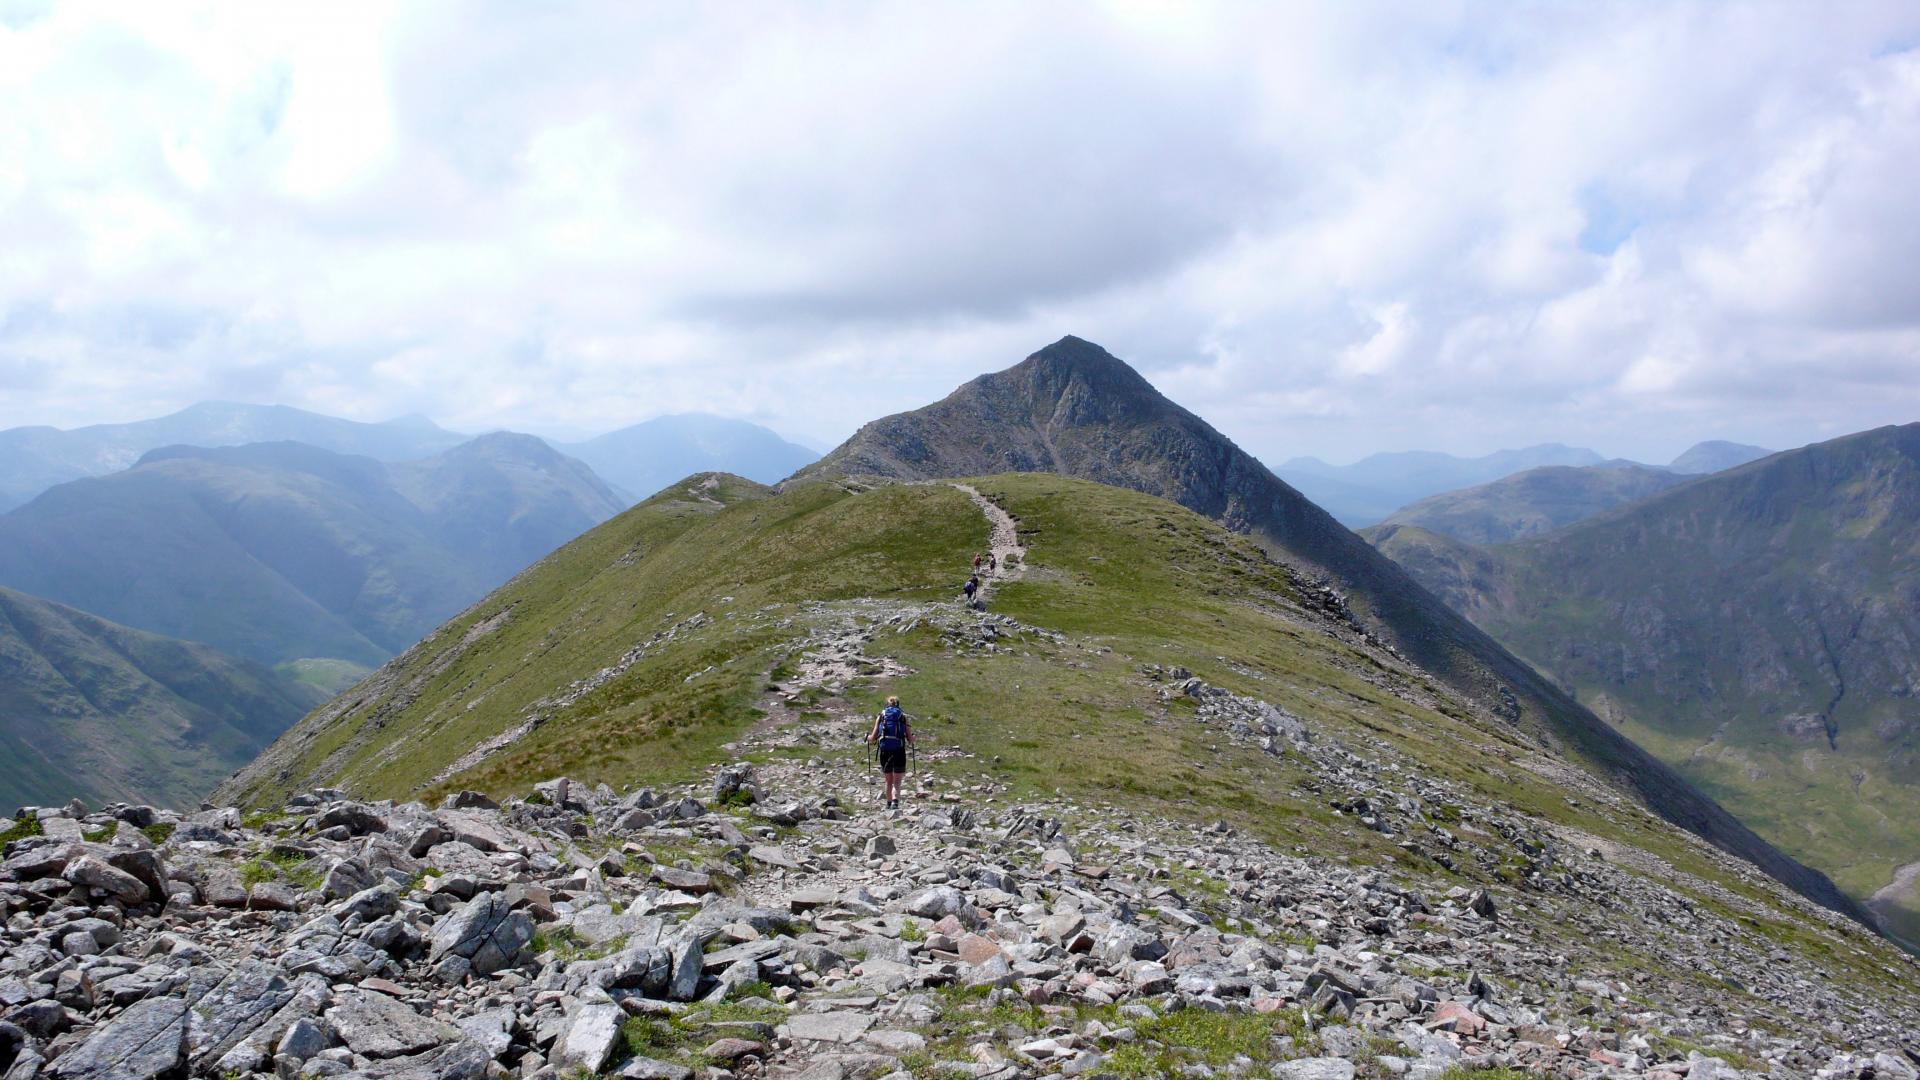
x: 893, y: 760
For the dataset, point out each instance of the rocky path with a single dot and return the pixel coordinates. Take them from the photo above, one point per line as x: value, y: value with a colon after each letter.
x: 773, y: 923
x: 1005, y: 545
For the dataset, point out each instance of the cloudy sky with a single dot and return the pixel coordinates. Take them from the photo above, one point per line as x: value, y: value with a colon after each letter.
x: 1331, y: 228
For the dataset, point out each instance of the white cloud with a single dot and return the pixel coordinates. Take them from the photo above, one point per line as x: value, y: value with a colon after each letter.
x: 1324, y: 227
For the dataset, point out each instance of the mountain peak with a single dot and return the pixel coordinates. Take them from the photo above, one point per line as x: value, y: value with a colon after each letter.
x: 1077, y: 359
x: 1717, y: 455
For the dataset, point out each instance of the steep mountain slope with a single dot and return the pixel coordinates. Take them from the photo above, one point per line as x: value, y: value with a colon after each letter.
x: 1377, y: 485
x: 94, y: 710
x: 1716, y: 455
x: 1134, y: 655
x: 1532, y: 502
x: 1074, y: 409
x: 33, y: 459
x: 648, y: 456
x: 281, y: 551
x: 1760, y: 629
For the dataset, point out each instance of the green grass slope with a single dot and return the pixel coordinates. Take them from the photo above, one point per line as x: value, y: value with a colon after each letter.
x: 638, y: 653
x: 1759, y: 629
x: 673, y: 582
x: 92, y: 709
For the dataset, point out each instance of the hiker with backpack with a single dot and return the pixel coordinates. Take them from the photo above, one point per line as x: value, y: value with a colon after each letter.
x: 972, y: 586
x: 893, y: 733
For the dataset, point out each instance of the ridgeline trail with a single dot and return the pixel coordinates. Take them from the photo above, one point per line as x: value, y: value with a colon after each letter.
x: 1005, y: 545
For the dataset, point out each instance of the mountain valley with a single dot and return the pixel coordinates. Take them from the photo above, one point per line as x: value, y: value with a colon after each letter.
x: 100, y: 712
x: 1755, y: 628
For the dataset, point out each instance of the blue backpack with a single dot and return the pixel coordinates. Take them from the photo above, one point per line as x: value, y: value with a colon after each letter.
x: 893, y: 728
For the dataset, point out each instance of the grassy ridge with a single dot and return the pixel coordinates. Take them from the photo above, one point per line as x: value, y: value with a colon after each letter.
x: 697, y: 561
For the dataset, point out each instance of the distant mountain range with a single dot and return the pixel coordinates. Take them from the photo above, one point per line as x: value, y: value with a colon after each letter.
x: 96, y: 710
x: 33, y: 459
x: 282, y: 551
x: 1533, y: 502
x: 1758, y: 628
x: 1375, y: 487
x: 642, y: 459
x: 318, y: 545
x: 638, y: 460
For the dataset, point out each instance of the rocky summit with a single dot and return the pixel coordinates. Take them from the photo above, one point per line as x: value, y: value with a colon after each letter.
x: 773, y: 921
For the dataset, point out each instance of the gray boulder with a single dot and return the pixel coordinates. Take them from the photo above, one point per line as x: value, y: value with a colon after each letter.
x: 592, y: 1034
x: 486, y: 932
x: 377, y: 1026
x: 96, y: 873
x: 148, y: 1040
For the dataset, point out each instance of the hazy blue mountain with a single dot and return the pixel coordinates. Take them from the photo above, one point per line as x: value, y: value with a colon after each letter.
x: 648, y: 456
x: 33, y: 459
x: 1716, y: 455
x: 1377, y: 485
x: 282, y: 551
x: 1533, y: 502
x: 96, y: 710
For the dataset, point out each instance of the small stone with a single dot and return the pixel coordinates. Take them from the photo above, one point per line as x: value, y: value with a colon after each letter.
x: 643, y: 1068
x: 99, y: 874
x: 271, y: 896
x: 1321, y: 1068
x: 303, y: 1039
x: 731, y: 1050
x: 689, y: 881
x: 976, y: 950
x: 834, y: 1027
x: 808, y: 899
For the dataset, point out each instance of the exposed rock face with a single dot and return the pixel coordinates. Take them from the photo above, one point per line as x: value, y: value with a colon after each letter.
x: 1073, y: 408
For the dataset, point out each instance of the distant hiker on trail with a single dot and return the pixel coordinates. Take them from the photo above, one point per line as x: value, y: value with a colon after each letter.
x: 893, y: 733
x: 972, y: 586
x: 993, y: 564
x: 976, y: 564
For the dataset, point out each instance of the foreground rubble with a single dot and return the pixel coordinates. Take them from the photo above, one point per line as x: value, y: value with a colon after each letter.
x: 775, y: 924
